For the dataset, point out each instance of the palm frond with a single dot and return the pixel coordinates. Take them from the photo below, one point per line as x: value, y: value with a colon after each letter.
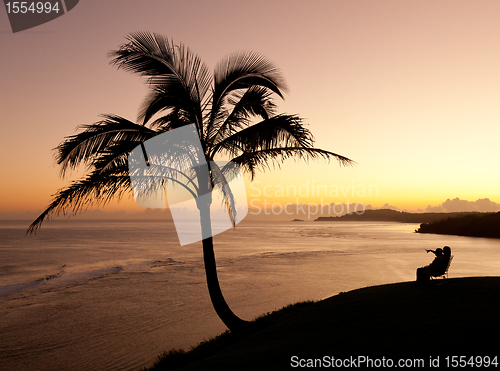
x: 241, y: 71
x: 262, y: 159
x: 277, y: 131
x: 115, y: 157
x: 256, y: 101
x: 86, y: 146
x: 245, y: 69
x: 96, y: 189
x: 172, y: 120
x: 160, y: 60
x: 164, y: 97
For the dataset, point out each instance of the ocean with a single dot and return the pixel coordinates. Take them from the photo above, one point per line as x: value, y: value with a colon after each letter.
x: 113, y: 295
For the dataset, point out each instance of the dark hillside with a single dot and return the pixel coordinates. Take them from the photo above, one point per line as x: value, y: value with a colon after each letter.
x: 479, y: 225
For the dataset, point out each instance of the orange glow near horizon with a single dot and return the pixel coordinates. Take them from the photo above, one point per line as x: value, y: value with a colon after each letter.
x: 409, y: 91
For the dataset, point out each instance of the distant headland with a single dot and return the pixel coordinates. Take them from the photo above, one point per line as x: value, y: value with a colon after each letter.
x: 388, y: 215
x: 471, y: 224
x: 478, y: 225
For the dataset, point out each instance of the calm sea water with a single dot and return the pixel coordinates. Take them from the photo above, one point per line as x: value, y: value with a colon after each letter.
x: 112, y: 295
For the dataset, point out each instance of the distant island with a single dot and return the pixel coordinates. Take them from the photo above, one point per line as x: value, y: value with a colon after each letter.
x: 297, y: 220
x: 388, y: 215
x: 478, y: 225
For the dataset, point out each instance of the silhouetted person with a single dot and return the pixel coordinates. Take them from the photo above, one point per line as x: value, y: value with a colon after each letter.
x: 437, y: 266
x: 435, y: 252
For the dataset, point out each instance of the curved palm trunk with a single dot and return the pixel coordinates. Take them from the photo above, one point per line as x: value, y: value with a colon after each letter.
x: 231, y: 320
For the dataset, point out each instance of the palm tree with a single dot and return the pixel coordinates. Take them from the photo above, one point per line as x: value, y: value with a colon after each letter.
x: 234, y: 113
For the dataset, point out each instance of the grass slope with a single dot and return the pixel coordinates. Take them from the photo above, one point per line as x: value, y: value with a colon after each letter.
x: 460, y: 317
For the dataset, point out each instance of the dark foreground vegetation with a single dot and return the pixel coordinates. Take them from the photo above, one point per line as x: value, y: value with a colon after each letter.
x: 459, y: 317
x: 478, y: 225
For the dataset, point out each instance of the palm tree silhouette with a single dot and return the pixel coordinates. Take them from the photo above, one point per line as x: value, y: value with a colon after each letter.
x: 234, y: 113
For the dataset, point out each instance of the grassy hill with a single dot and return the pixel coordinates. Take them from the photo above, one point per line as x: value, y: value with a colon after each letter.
x: 460, y: 317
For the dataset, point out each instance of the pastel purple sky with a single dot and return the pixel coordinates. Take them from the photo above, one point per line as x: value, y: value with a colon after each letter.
x: 409, y: 90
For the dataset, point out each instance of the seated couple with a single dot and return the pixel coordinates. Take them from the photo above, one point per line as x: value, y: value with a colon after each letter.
x: 437, y: 267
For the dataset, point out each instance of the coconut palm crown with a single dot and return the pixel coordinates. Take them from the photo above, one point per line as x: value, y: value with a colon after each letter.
x: 233, y: 109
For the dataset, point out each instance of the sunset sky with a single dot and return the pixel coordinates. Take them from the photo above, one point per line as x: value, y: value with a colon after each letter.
x: 410, y: 90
